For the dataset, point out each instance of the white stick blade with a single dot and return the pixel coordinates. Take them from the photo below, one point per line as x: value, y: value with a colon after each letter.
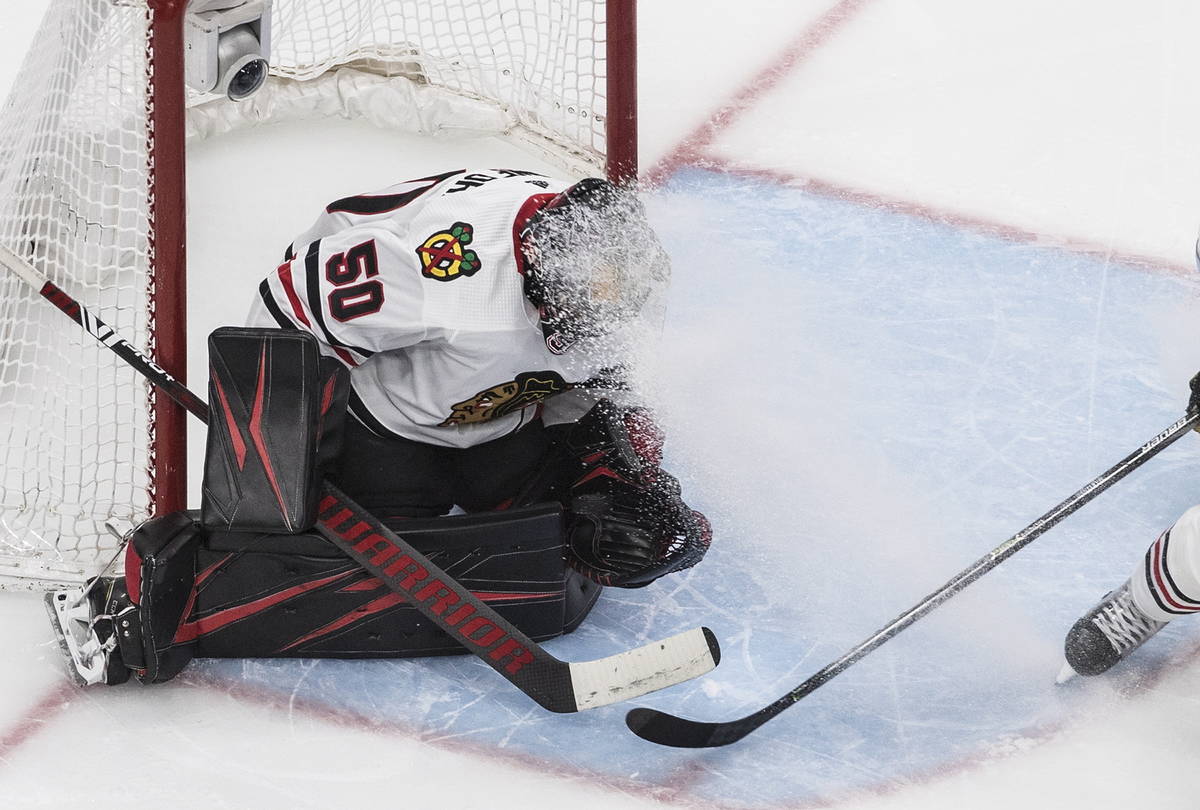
x: 646, y: 669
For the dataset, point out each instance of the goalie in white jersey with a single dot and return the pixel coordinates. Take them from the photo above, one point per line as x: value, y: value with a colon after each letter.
x: 460, y: 302
x: 476, y: 312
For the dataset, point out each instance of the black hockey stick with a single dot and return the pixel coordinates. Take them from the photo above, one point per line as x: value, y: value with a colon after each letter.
x: 556, y: 685
x: 667, y: 729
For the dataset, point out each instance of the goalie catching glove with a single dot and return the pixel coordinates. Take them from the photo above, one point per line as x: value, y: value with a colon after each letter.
x: 627, y: 524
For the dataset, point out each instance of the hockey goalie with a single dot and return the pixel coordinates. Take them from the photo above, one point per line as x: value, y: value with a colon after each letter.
x: 449, y: 352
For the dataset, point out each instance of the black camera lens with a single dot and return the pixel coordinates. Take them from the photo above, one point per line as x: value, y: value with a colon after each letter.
x: 248, y: 79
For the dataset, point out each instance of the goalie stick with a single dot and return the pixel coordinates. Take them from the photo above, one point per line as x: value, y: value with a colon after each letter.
x: 556, y: 685
x: 668, y: 729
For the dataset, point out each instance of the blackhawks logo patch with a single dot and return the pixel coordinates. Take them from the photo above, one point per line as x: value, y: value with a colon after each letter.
x: 444, y: 256
x: 506, y: 398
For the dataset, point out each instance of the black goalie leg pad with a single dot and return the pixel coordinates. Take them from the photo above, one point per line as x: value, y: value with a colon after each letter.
x: 277, y: 415
x: 264, y: 595
x: 160, y: 574
x: 188, y: 592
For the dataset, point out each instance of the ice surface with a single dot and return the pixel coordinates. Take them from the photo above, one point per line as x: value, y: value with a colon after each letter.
x: 864, y: 404
x: 864, y: 401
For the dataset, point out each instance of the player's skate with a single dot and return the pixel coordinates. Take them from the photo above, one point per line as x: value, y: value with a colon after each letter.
x: 85, y: 631
x: 1106, y: 634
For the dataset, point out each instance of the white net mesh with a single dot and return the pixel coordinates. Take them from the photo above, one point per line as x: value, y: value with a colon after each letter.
x: 73, y: 420
x: 532, y: 69
x: 75, y: 424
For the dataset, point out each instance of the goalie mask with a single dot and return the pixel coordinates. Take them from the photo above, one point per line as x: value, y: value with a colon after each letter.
x: 593, y: 260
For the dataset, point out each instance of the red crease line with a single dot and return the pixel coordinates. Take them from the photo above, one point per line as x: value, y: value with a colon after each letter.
x: 691, y: 149
x: 35, y: 719
x: 1095, y: 250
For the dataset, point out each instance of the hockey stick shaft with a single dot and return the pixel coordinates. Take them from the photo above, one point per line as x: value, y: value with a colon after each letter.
x: 675, y: 731
x: 555, y: 685
x: 103, y: 333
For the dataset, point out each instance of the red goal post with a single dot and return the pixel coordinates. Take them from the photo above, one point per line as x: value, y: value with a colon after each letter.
x: 93, y: 146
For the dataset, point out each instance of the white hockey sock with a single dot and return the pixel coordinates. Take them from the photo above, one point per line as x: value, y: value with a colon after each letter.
x: 1166, y: 583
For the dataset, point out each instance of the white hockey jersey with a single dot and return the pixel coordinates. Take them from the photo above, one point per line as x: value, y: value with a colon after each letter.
x: 418, y: 288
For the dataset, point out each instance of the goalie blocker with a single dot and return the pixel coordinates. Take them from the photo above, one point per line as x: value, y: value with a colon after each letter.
x: 245, y: 578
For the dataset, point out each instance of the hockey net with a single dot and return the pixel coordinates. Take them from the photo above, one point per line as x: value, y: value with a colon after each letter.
x: 91, y: 148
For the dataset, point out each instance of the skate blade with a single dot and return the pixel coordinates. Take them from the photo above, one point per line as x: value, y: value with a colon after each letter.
x: 52, y: 601
x: 1065, y: 674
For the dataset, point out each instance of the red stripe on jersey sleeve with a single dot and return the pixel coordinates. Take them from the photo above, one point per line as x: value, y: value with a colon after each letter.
x: 289, y: 287
x: 345, y: 356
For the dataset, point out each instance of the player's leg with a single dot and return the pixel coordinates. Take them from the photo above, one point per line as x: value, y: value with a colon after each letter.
x: 392, y: 477
x: 1165, y: 584
x: 490, y: 475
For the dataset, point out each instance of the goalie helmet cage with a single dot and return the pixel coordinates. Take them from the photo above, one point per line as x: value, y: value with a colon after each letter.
x: 92, y: 195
